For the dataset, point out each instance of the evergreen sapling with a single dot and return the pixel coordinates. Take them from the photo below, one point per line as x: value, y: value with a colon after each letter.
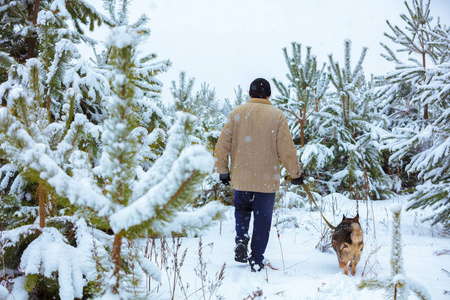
x: 397, y: 285
x: 416, y: 97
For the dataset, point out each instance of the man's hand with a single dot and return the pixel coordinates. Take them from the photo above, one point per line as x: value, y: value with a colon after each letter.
x: 225, y: 178
x: 298, y: 181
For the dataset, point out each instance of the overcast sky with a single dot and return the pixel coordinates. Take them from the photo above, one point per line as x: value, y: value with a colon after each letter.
x: 227, y: 43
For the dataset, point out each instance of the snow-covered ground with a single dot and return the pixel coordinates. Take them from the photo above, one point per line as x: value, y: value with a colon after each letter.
x: 304, y: 272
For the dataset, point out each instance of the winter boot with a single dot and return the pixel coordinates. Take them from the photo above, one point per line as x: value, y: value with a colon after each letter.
x: 255, y: 266
x: 240, y: 251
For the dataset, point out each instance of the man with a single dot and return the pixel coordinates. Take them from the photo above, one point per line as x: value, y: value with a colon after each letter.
x: 256, y: 137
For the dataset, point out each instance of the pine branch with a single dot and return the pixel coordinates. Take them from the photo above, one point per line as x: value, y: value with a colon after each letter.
x: 28, y: 155
x: 183, y: 179
x: 5, y: 60
x: 64, y: 50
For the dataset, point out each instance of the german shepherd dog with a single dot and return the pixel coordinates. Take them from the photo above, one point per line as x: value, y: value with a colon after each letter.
x: 347, y: 241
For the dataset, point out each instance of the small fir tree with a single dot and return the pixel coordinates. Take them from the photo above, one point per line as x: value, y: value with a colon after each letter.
x: 47, y: 80
x: 421, y: 143
x: 101, y: 173
x: 346, y: 132
x: 212, y: 116
x: 23, y: 26
x: 300, y: 98
x: 415, y: 39
x: 182, y: 94
x: 397, y: 285
x: 131, y: 204
x: 305, y: 90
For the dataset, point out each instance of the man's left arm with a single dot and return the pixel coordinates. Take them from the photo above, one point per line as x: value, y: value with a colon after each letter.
x: 287, y: 152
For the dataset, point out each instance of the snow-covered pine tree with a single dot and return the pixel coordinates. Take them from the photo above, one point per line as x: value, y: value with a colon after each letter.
x: 240, y: 97
x: 182, y: 94
x: 147, y: 87
x: 397, y: 89
x: 97, y: 173
x: 43, y: 93
x: 150, y: 204
x: 133, y: 203
x: 204, y: 104
x: 21, y: 27
x: 397, y: 285
x: 300, y: 98
x: 422, y: 143
x: 305, y: 90
x: 46, y: 29
x: 73, y: 86
x: 416, y: 40
x: 349, y: 126
x: 212, y: 116
x: 47, y: 84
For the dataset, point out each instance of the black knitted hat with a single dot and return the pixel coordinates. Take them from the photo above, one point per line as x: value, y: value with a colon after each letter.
x: 260, y: 88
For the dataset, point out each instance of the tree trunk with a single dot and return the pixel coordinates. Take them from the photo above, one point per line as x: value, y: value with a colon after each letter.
x: 424, y: 62
x: 302, y: 128
x: 117, y: 245
x: 344, y: 111
x: 41, y: 196
x: 48, y: 108
x: 31, y: 39
x: 302, y: 134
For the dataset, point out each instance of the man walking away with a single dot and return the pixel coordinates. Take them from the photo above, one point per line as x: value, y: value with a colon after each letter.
x: 256, y: 137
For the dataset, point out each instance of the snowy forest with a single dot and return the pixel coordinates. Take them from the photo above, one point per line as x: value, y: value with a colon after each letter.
x: 109, y: 192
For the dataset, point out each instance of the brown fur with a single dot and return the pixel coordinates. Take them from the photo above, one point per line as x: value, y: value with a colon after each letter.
x: 347, y: 241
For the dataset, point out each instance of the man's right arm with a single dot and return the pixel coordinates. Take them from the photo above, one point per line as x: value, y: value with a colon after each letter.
x: 222, y: 150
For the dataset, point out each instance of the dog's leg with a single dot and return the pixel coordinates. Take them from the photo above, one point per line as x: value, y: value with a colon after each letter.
x: 352, y: 267
x: 343, y: 266
x: 354, y: 263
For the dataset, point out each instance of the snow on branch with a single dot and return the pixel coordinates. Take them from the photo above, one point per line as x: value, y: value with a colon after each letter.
x: 192, y: 221
x: 34, y: 155
x: 63, y: 49
x: 192, y: 159
x: 122, y: 37
x: 175, y: 143
x: 51, y: 252
x: 316, y: 155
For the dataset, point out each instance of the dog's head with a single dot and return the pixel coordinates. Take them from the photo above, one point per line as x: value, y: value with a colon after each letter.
x: 350, y: 220
x: 356, y: 246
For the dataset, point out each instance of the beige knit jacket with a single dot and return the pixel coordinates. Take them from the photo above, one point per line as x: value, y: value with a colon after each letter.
x: 256, y: 137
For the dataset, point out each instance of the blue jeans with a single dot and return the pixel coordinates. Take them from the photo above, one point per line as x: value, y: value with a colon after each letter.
x: 261, y: 204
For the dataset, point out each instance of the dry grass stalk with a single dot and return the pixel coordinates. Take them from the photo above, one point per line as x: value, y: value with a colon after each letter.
x: 279, y: 240
x: 368, y: 265
x: 255, y: 294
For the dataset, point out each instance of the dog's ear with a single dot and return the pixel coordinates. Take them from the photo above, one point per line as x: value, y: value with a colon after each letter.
x: 344, y: 245
x: 343, y: 217
x: 356, y: 218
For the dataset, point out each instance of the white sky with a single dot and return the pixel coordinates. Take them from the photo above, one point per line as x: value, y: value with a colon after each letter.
x: 227, y: 43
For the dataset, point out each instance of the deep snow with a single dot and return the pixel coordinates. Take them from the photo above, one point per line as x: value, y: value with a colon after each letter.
x: 309, y: 273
